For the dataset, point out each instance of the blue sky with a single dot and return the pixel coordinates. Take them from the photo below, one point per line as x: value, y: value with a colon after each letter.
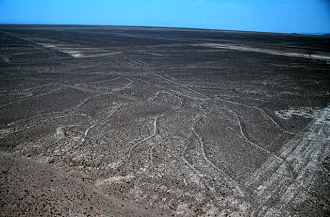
x: 300, y: 16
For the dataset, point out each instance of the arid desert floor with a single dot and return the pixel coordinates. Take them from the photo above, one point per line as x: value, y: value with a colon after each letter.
x: 133, y: 121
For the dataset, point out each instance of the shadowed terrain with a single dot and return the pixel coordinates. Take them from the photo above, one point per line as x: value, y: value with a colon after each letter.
x: 133, y: 121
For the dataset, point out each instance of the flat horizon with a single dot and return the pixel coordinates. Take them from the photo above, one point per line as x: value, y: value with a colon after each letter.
x: 170, y: 27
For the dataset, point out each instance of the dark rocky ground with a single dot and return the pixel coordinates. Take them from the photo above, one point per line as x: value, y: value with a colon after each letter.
x: 128, y: 121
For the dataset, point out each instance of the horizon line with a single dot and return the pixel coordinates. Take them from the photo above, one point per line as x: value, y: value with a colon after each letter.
x: 175, y: 27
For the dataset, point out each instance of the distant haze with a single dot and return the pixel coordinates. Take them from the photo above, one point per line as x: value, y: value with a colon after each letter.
x: 290, y: 16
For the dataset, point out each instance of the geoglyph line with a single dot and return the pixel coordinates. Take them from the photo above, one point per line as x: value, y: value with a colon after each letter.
x: 305, y: 156
x: 200, y: 148
x: 262, y: 111
x: 264, y: 50
x: 98, y: 123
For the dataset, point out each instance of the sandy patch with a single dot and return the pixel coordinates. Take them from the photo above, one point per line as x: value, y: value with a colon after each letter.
x: 307, y: 112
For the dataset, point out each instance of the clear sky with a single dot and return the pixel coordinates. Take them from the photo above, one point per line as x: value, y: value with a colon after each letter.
x: 299, y: 16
